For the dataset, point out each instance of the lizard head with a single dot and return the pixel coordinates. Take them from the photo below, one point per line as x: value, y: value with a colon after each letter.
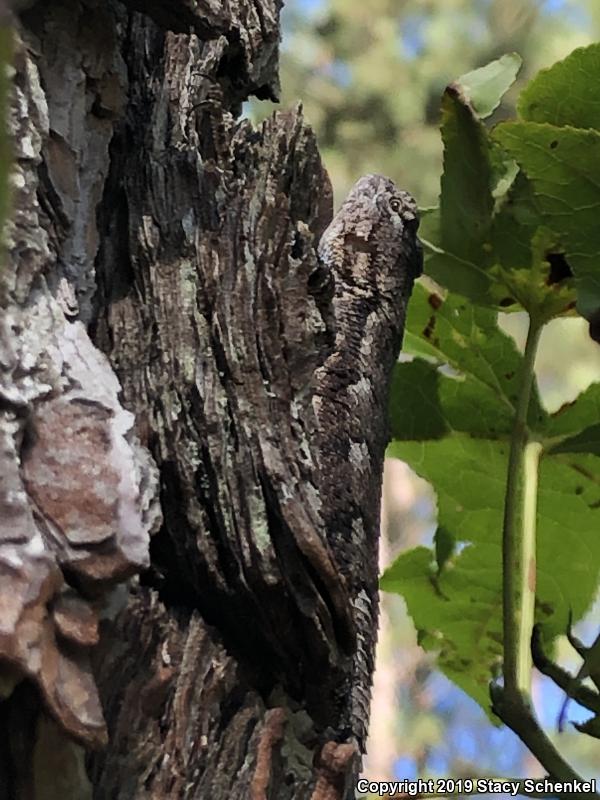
x: 378, y: 219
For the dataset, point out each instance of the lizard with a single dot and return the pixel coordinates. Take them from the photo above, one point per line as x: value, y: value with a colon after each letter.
x: 373, y: 253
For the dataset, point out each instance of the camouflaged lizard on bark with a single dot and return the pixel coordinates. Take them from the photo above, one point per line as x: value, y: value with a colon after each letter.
x: 371, y: 247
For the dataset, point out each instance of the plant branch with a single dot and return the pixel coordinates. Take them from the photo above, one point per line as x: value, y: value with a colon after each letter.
x: 515, y: 710
x: 511, y: 701
x: 582, y: 694
x: 512, y: 563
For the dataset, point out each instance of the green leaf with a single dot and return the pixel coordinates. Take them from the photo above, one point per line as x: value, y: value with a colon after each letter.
x: 469, y: 475
x: 488, y: 241
x: 446, y: 268
x: 588, y: 441
x: 467, y: 338
x: 575, y: 428
x: 499, y: 232
x: 568, y: 554
x: 452, y: 416
x: 563, y: 165
x: 523, y: 249
x: 484, y: 88
x: 574, y: 417
x: 457, y: 624
x: 418, y: 414
x: 455, y: 465
x: 466, y: 201
x: 567, y: 92
x: 454, y: 236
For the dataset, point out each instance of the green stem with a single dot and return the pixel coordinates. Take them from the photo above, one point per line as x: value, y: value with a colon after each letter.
x: 512, y: 566
x: 511, y: 702
x: 531, y: 465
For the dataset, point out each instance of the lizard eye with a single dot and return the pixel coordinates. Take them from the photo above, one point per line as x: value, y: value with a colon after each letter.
x: 395, y: 204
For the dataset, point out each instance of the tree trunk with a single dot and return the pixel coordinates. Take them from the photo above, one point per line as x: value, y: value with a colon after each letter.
x: 173, y: 619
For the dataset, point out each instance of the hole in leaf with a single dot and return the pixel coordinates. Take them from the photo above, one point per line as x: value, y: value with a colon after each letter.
x: 559, y: 268
x: 595, y: 326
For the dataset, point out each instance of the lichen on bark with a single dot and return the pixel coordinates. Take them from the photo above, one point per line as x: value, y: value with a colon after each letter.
x: 163, y: 316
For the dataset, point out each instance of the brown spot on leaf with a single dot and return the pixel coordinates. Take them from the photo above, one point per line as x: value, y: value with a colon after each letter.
x: 544, y: 608
x: 455, y: 90
x: 435, y: 301
x: 429, y: 328
x: 563, y: 408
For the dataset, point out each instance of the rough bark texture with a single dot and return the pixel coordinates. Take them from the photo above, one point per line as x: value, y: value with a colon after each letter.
x: 165, y: 321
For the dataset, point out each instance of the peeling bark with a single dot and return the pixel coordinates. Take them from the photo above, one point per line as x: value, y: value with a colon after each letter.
x: 78, y: 494
x: 163, y: 316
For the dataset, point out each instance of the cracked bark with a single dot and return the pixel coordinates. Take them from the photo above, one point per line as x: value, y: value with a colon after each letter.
x: 163, y: 315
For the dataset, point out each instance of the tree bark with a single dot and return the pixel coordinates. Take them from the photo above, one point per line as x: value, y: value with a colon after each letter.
x: 163, y: 315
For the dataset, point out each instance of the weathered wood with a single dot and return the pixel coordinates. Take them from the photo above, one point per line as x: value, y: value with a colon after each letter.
x: 219, y: 367
x: 78, y: 495
x: 154, y: 222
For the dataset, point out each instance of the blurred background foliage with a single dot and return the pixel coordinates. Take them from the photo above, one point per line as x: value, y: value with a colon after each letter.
x: 370, y: 74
